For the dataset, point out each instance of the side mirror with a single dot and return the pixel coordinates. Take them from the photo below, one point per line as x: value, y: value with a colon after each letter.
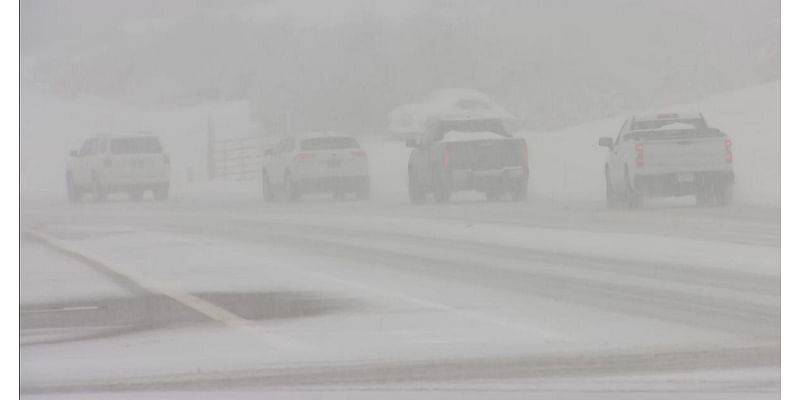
x: 606, y: 142
x: 73, y: 153
x: 412, y: 143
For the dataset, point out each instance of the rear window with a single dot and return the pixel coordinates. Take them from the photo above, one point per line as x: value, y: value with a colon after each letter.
x: 667, y: 124
x: 329, y: 143
x: 457, y: 136
x: 135, y: 145
x: 477, y: 126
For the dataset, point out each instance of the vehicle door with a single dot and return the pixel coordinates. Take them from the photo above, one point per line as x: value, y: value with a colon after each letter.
x: 277, y: 162
x: 271, y: 161
x: 616, y: 159
x: 420, y: 159
x: 100, y: 159
x: 82, y: 170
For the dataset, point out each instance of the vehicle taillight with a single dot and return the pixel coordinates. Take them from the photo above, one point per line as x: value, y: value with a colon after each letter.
x: 359, y: 153
x: 728, y: 151
x: 639, y: 155
x: 525, y: 151
x: 304, y: 156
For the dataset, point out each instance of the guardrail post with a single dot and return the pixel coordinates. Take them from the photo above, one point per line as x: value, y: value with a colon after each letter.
x: 211, y: 161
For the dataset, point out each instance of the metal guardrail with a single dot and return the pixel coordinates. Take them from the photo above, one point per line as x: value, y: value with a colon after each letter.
x: 236, y: 159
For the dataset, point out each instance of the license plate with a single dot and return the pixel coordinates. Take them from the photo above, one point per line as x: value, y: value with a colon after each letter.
x: 686, y: 178
x: 334, y: 164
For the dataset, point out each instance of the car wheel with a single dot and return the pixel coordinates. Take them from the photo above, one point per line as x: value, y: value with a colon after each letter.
x: 362, y: 193
x: 98, y: 191
x: 266, y: 189
x: 442, y: 190
x: 493, y: 195
x: 415, y: 193
x: 291, y: 190
x: 633, y: 199
x: 519, y: 191
x: 724, y: 194
x: 161, y: 193
x: 612, y: 199
x: 73, y: 193
x: 703, y: 197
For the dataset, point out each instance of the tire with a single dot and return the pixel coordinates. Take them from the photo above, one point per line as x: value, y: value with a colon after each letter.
x: 724, y: 194
x: 266, y: 188
x: 73, y: 193
x: 519, y: 191
x: 704, y: 197
x: 633, y: 200
x: 612, y: 198
x: 442, y: 190
x: 161, y: 193
x: 99, y: 193
x: 362, y: 193
x: 291, y: 191
x: 493, y: 195
x: 415, y: 193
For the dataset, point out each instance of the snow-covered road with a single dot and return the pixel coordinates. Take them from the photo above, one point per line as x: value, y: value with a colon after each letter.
x: 219, y: 291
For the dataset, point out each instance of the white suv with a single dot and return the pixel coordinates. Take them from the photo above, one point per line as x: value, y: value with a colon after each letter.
x: 320, y: 163
x: 129, y: 164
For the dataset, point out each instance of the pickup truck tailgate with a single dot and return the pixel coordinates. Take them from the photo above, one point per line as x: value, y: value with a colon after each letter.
x: 684, y: 152
x: 487, y: 154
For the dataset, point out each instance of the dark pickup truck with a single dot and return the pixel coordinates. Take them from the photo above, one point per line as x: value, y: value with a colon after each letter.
x: 467, y: 154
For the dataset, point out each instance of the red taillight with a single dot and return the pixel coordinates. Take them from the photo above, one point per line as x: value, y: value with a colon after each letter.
x: 359, y: 153
x: 304, y: 156
x: 446, y: 159
x: 639, y: 155
x: 525, y: 151
x: 728, y: 151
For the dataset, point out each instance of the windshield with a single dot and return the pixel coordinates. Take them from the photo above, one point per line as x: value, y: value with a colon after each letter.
x: 667, y: 124
x: 478, y: 126
x: 135, y: 145
x: 329, y: 143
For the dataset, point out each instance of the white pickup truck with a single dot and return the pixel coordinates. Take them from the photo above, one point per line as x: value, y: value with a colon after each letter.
x: 668, y: 155
x: 129, y: 164
x: 315, y: 163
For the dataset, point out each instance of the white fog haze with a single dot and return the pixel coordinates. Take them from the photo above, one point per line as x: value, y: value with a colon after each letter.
x: 400, y: 199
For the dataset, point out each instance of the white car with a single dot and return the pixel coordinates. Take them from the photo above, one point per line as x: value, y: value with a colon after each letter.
x: 319, y: 163
x: 668, y: 154
x: 129, y: 164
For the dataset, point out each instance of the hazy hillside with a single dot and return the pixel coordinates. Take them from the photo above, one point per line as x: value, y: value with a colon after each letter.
x: 568, y: 163
x: 565, y: 163
x: 345, y: 70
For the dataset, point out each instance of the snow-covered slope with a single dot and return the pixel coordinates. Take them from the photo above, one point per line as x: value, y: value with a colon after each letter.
x: 51, y: 126
x: 568, y: 163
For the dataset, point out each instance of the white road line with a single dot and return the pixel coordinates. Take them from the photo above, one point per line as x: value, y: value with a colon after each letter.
x: 433, y: 305
x: 206, y: 308
x: 62, y: 309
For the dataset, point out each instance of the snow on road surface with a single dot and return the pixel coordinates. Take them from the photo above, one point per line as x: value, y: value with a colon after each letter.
x: 216, y: 289
x: 377, y: 293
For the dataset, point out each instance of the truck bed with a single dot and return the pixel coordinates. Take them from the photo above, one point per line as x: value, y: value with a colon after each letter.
x: 486, y: 154
x: 685, y: 150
